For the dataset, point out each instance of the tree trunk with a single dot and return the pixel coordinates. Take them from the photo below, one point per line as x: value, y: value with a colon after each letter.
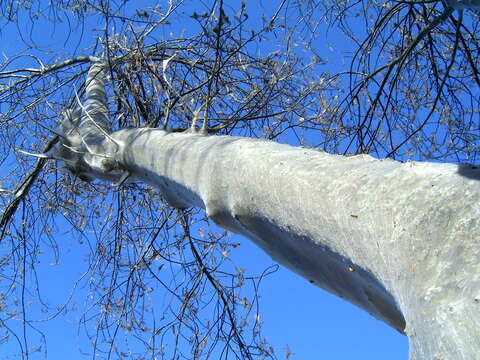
x: 399, y: 240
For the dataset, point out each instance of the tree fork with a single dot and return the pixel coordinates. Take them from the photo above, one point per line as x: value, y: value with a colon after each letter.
x: 399, y: 240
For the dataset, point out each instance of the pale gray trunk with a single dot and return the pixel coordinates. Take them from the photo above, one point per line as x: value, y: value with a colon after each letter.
x: 399, y: 240
x: 389, y: 237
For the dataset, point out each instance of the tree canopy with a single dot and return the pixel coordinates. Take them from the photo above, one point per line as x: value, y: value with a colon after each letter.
x: 403, y: 84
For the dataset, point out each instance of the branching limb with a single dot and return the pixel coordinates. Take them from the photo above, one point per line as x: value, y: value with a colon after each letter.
x: 220, y: 292
x: 22, y: 190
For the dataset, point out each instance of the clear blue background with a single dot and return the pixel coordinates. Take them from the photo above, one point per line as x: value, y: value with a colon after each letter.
x: 296, y: 315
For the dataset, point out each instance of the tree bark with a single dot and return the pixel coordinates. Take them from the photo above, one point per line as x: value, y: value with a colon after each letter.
x: 399, y: 240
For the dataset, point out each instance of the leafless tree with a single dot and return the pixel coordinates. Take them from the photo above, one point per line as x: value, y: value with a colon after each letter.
x: 410, y: 93
x: 412, y: 81
x: 140, y: 251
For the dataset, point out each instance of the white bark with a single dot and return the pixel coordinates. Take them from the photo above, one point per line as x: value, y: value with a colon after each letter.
x: 399, y: 240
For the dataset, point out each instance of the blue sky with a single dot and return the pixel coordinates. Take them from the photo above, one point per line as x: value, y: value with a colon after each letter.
x: 297, y: 316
